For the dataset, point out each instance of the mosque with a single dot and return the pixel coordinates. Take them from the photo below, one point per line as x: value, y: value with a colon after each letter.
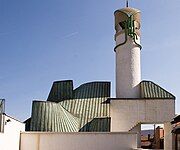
x: 89, y: 108
x: 88, y: 118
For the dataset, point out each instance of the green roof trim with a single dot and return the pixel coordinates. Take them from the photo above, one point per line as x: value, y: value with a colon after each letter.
x: 151, y: 90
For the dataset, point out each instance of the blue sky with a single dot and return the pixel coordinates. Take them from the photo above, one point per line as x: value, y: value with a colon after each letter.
x: 42, y: 41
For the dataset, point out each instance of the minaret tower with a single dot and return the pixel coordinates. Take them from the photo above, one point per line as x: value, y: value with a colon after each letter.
x: 127, y: 37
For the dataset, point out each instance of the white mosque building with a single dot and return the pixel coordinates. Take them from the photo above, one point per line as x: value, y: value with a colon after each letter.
x: 88, y: 118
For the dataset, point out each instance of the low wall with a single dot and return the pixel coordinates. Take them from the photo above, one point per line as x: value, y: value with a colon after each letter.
x: 77, y: 141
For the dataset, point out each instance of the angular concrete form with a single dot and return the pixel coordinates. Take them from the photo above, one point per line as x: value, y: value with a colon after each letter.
x: 129, y: 114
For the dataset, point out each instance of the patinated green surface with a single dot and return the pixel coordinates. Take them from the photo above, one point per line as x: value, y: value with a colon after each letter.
x: 61, y: 90
x: 82, y: 109
x: 151, y: 90
x: 50, y: 116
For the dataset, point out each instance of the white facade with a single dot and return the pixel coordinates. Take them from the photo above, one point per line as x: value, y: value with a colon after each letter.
x: 10, y: 137
x: 126, y: 114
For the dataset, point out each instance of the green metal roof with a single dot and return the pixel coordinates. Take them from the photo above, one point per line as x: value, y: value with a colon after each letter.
x: 61, y: 90
x: 151, y: 90
x: 49, y: 116
x: 88, y: 103
x: 82, y: 109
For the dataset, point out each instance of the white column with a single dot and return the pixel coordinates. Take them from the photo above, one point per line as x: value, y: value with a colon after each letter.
x: 128, y: 69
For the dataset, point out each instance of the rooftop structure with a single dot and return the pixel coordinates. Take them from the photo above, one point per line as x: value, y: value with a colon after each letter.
x: 84, y: 109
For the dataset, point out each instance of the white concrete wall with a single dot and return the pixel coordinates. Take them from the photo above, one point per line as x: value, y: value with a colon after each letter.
x: 126, y: 114
x: 128, y: 68
x: 9, y: 139
x: 78, y: 141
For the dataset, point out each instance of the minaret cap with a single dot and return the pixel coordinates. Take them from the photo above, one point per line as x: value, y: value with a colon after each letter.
x: 123, y: 14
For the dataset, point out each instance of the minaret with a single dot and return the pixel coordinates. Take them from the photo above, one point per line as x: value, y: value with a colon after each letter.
x: 127, y: 37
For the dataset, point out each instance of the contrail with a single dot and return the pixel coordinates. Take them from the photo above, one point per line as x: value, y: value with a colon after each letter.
x: 70, y: 35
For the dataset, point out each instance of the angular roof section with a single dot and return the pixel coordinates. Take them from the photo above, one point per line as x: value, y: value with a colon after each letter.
x: 93, y: 90
x: 68, y: 110
x: 84, y: 109
x: 61, y: 90
x: 49, y: 116
x: 88, y: 103
x: 151, y: 90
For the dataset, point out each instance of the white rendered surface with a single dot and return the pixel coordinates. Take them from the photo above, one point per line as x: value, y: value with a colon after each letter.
x: 126, y: 114
x: 9, y: 139
x: 128, y: 69
x: 78, y: 141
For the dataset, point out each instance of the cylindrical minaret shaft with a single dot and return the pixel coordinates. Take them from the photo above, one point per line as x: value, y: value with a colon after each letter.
x: 127, y: 37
